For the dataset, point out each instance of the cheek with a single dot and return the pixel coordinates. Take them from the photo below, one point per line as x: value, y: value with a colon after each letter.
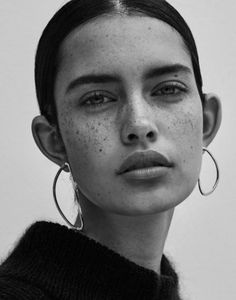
x: 187, y: 133
x: 188, y: 129
x: 87, y: 142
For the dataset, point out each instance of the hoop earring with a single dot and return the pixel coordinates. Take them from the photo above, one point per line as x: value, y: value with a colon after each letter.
x: 217, y: 175
x: 78, y: 228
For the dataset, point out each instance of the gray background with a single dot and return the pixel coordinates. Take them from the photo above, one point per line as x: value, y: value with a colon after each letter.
x: 202, y: 237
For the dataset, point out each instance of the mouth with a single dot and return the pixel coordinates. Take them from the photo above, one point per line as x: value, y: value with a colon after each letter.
x: 144, y: 164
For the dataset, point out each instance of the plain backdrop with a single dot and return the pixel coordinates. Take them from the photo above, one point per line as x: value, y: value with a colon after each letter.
x: 201, y: 241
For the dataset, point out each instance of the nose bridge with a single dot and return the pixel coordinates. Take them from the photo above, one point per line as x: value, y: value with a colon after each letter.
x: 139, y: 125
x: 138, y: 111
x: 136, y: 104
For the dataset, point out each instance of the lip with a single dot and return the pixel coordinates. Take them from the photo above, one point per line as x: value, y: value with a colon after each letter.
x: 144, y: 164
x: 145, y: 174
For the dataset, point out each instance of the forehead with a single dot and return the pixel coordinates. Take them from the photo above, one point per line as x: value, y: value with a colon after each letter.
x: 121, y: 44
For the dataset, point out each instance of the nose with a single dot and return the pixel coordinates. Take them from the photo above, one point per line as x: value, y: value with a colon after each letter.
x: 139, y: 126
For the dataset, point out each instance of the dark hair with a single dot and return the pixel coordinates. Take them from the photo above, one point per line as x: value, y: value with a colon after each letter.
x: 77, y: 12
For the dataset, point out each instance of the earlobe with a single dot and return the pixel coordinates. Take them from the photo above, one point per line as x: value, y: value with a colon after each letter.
x: 212, y: 115
x: 48, y: 140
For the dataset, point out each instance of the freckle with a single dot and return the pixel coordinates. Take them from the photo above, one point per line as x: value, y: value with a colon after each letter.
x: 176, y: 75
x: 100, y: 150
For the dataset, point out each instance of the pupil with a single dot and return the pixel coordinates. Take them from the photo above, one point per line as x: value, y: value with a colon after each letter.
x: 98, y: 97
x: 169, y: 89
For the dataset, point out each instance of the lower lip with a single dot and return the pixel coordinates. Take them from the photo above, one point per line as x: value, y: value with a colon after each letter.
x: 146, y: 174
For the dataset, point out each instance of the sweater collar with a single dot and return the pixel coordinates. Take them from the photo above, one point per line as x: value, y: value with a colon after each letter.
x: 72, y: 262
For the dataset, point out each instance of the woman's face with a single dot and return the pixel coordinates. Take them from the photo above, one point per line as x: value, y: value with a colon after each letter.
x: 125, y: 85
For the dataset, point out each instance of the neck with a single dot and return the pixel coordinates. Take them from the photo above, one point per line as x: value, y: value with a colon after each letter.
x: 140, y: 239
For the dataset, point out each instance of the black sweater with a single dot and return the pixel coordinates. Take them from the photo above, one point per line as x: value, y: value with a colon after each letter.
x: 54, y: 262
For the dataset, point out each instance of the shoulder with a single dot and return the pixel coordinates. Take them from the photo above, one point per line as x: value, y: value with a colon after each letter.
x: 15, y: 271
x: 14, y: 289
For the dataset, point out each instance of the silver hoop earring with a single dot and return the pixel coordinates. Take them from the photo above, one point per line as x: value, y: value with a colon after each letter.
x: 217, y: 175
x: 78, y: 228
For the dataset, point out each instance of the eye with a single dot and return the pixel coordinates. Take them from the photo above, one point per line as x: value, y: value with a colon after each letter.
x: 170, y: 89
x: 98, y: 98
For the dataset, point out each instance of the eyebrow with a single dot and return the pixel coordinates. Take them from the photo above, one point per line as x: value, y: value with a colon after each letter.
x: 92, y: 78
x: 106, y: 78
x: 167, y: 69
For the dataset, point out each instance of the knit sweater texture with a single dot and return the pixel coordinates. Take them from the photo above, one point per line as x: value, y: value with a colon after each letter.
x: 53, y: 262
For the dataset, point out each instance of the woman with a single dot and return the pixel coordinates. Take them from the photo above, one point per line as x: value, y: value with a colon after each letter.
x: 122, y: 109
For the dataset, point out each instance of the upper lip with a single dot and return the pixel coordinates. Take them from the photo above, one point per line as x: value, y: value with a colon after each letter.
x: 143, y: 159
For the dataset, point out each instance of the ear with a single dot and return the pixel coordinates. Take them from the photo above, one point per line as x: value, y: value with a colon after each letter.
x: 212, y: 114
x: 49, y: 140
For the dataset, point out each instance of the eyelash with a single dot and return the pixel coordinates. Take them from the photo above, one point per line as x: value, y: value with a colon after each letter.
x: 96, y: 94
x: 171, y: 85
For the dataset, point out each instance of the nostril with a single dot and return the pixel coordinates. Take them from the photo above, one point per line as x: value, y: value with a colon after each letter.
x: 132, y: 136
x: 150, y: 134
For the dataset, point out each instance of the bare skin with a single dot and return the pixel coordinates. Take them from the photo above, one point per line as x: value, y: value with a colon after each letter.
x: 162, y: 112
x: 141, y: 239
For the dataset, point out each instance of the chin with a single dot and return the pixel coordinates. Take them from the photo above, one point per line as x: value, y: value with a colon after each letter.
x: 148, y: 206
